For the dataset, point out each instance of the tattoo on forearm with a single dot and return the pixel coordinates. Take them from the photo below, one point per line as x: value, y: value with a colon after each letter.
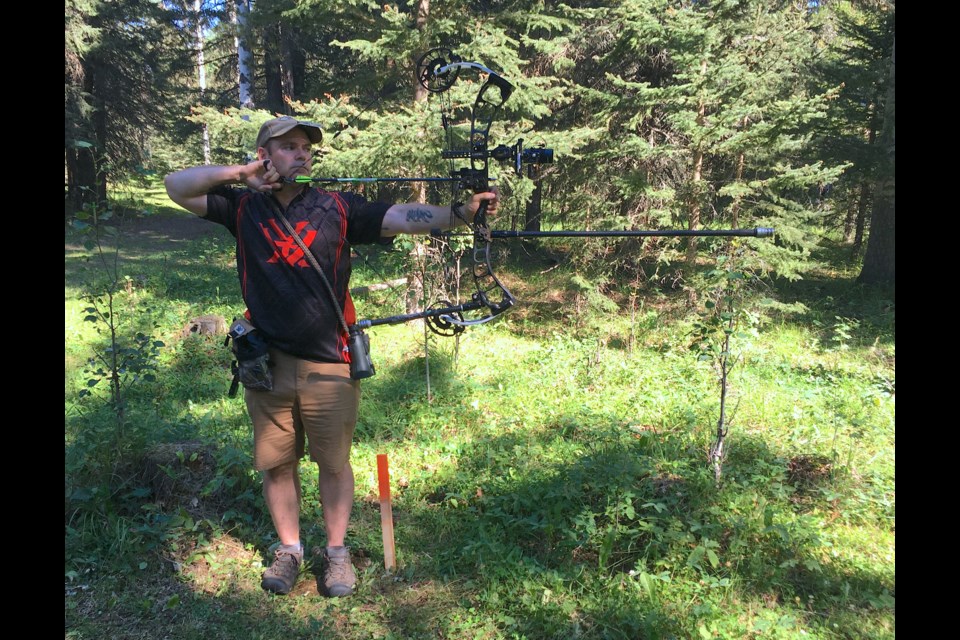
x: 419, y: 215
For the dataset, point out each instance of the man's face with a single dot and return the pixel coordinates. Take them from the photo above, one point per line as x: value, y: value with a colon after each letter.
x: 289, y: 153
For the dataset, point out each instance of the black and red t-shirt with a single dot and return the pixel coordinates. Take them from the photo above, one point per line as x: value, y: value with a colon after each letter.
x: 287, y: 300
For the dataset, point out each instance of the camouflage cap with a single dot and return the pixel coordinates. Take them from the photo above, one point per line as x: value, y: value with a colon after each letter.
x: 283, y: 124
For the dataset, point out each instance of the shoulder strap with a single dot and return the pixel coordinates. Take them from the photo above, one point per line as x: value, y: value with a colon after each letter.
x: 313, y: 262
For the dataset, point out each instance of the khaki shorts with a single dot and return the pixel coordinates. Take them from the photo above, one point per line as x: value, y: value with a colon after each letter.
x: 318, y: 400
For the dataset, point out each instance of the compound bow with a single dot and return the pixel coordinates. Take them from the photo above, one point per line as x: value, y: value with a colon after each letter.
x: 437, y: 71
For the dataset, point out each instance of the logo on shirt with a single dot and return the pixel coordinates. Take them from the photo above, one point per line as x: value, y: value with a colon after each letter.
x: 285, y: 248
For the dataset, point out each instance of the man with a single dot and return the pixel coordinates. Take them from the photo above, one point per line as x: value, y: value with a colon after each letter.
x: 313, y: 396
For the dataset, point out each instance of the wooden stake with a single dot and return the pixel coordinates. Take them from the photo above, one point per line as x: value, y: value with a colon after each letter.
x: 386, y: 513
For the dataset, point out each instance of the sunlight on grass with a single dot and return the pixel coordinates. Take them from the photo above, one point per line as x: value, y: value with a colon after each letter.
x: 553, y: 484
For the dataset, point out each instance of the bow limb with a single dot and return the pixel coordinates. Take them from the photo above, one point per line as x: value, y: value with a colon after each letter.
x: 490, y: 99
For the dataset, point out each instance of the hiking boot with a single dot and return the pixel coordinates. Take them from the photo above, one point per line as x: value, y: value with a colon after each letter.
x: 337, y: 578
x: 283, y: 573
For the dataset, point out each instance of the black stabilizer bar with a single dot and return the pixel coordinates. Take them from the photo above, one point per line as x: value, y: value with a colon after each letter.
x: 758, y: 232
x: 427, y: 313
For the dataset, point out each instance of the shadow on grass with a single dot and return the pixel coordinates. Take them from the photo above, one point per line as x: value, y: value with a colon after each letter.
x: 512, y: 537
x: 179, y: 257
x: 836, y: 302
x: 508, y: 537
x: 518, y: 526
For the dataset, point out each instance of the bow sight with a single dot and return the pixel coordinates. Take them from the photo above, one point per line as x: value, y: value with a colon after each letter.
x: 503, y: 153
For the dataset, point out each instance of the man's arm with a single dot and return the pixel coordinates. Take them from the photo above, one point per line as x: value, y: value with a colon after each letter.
x: 189, y: 187
x: 416, y: 218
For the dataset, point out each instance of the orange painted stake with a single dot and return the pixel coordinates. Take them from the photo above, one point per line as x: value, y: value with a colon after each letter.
x: 386, y: 513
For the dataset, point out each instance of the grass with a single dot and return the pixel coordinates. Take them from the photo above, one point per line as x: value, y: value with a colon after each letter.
x: 554, y: 486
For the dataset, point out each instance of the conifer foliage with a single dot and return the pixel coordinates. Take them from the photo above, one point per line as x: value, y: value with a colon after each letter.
x: 661, y: 114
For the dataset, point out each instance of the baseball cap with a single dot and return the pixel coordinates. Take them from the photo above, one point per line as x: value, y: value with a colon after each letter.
x: 283, y: 124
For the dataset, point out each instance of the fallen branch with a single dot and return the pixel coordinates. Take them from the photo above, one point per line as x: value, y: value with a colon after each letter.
x: 380, y: 286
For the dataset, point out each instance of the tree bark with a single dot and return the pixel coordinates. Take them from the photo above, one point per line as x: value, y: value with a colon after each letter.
x: 423, y: 12
x: 860, y: 223
x: 201, y: 74
x: 244, y: 56
x: 100, y: 131
x: 864, y: 200
x: 81, y: 177
x: 294, y: 63
x: 419, y: 190
x: 695, y: 204
x: 849, y: 220
x: 534, y: 210
x: 273, y: 70
x: 697, y: 177
x: 81, y: 161
x: 880, y: 261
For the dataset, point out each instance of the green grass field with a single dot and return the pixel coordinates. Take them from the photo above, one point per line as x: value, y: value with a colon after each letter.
x: 554, y: 484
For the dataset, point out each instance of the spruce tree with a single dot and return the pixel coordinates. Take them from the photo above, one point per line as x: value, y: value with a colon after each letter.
x: 120, y: 63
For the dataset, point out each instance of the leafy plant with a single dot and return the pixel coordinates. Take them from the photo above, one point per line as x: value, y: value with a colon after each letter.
x: 126, y: 355
x: 720, y: 321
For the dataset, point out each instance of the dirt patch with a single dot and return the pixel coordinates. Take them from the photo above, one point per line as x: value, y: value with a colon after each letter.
x: 808, y: 474
x: 178, y: 474
x: 172, y: 228
x: 160, y: 232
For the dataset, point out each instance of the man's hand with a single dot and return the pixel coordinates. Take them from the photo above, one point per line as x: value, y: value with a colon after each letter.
x: 261, y: 175
x: 472, y: 205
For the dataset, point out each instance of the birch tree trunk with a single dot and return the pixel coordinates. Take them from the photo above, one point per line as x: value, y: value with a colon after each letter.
x: 244, y: 56
x: 201, y: 74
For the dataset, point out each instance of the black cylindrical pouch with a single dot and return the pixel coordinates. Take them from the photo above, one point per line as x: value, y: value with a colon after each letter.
x: 360, y: 365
